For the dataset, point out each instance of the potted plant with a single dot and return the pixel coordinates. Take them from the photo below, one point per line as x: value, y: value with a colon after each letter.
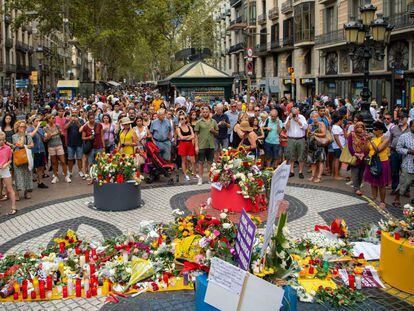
x: 117, y: 182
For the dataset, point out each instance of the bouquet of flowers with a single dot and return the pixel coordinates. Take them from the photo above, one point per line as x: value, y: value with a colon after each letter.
x: 235, y: 166
x: 404, y: 227
x: 115, y: 167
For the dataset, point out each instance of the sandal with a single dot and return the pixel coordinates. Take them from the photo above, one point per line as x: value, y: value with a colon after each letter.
x: 358, y: 192
x: 317, y: 180
x: 311, y: 178
x: 12, y: 212
x: 4, y: 198
x: 396, y: 204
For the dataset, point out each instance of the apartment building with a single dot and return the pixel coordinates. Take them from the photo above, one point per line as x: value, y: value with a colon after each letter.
x: 339, y: 75
x: 309, y: 36
x: 222, y: 38
x: 24, y: 51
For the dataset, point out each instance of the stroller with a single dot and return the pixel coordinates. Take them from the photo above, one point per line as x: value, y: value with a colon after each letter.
x: 155, y: 165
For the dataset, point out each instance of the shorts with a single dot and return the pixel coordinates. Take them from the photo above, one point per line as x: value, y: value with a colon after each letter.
x: 92, y: 155
x: 221, y: 143
x: 39, y: 159
x: 56, y: 151
x: 5, y: 173
x: 337, y: 153
x: 296, y: 150
x: 272, y: 151
x: 186, y: 148
x: 206, y: 155
x: 75, y: 153
x: 405, y: 181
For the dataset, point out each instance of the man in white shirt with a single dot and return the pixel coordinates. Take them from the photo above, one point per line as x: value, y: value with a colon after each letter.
x: 296, y: 126
x: 181, y: 101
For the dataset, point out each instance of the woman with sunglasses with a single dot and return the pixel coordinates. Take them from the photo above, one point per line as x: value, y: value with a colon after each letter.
x: 185, y: 136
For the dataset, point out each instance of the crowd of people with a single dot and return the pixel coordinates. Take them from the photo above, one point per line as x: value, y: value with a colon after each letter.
x: 322, y: 137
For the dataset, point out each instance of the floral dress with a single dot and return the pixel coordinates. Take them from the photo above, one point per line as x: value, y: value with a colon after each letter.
x: 315, y: 153
x: 22, y: 174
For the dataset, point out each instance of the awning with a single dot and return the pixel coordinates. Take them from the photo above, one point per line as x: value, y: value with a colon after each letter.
x: 68, y: 84
x: 113, y: 83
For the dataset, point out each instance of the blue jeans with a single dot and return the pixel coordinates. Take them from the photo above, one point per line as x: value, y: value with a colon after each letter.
x: 165, y: 149
x: 395, y: 161
x: 92, y: 155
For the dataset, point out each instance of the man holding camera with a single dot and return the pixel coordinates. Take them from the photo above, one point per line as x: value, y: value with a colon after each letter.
x: 296, y: 126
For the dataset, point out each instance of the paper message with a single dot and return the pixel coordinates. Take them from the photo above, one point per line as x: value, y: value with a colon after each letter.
x: 371, y: 251
x: 277, y: 193
x: 226, y: 275
x: 244, y: 240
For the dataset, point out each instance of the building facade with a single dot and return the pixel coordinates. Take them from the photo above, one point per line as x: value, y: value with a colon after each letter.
x: 29, y: 59
x: 309, y: 36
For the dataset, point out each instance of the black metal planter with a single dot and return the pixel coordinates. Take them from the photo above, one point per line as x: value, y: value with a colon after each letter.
x: 117, y: 197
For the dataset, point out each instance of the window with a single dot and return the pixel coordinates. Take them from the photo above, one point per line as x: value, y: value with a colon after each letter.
x: 308, y: 62
x: 394, y: 7
x: 263, y: 37
x: 288, y: 61
x: 274, y: 35
x: 230, y: 62
x: 304, y: 22
x: 330, y: 19
x: 331, y: 63
x: 288, y: 31
x: 275, y: 65
x: 264, y: 7
x: 263, y: 59
x: 353, y: 8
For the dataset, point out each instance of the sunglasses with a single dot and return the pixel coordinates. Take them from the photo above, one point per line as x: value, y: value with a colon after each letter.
x: 389, y: 119
x: 234, y: 106
x: 257, y: 110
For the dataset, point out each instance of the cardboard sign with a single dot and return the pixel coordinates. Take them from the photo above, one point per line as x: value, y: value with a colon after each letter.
x: 225, y: 285
x: 277, y: 193
x: 244, y: 240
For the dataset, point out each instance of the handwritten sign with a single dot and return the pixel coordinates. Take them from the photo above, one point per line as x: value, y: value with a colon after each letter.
x: 226, y: 275
x: 244, y: 240
x: 277, y: 193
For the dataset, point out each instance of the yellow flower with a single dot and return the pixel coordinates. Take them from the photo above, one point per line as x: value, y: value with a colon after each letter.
x: 207, y: 233
x: 185, y: 233
x: 181, y: 228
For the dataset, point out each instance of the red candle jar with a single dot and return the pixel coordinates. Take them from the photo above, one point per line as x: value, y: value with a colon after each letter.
x: 42, y: 291
x: 49, y: 282
x: 94, y: 291
x: 16, y: 296
x: 62, y: 247
x: 351, y: 281
x: 397, y: 236
x: 87, y: 256
x: 24, y: 293
x: 311, y: 270
x: 94, y: 253
x: 78, y: 288
x: 92, y: 269
x: 88, y: 294
x: 109, y: 286
x: 77, y: 251
x: 33, y: 294
x: 64, y: 291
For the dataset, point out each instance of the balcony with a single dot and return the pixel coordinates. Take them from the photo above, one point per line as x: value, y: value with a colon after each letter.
x: 8, y: 43
x: 21, y: 46
x: 236, y: 48
x: 288, y: 41
x: 305, y: 37
x: 273, y: 13
x: 235, y: 2
x: 22, y: 69
x: 262, y: 19
x: 287, y: 7
x: 336, y: 36
x: 10, y: 68
x: 238, y: 23
x: 275, y: 45
x: 402, y: 20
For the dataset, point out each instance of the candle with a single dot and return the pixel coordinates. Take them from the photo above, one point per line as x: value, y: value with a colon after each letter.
x: 88, y: 294
x: 397, y: 236
x: 87, y: 256
x: 94, y: 291
x: 125, y: 256
x: 15, y: 295
x: 311, y: 270
x: 62, y: 247
x: 91, y: 269
x: 78, y: 288
x: 33, y: 294
x: 16, y: 287
x: 105, y: 287
x: 49, y: 282
x: 86, y: 284
x: 49, y: 294
x: 99, y: 292
x: 64, y: 291
x: 351, y: 281
x: 35, y: 283
x: 94, y: 253
x: 42, y: 289
x: 358, y: 282
x: 82, y: 260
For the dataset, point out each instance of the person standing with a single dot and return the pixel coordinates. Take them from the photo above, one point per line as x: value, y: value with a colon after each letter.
x: 5, y: 161
x: 74, y: 143
x: 338, y: 144
x: 378, y: 146
x: 233, y: 116
x: 23, y: 176
x: 128, y: 139
x: 221, y: 141
x: 396, y: 157
x: 316, y: 153
x: 185, y: 136
x: 272, y: 129
x: 205, y: 130
x: 161, y: 134
x: 296, y: 126
x: 39, y: 153
x: 405, y: 147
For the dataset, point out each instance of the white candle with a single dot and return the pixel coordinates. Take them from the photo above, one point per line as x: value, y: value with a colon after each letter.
x: 82, y: 261
x: 125, y: 256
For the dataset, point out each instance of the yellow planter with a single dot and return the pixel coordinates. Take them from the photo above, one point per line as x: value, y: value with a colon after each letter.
x: 397, y: 262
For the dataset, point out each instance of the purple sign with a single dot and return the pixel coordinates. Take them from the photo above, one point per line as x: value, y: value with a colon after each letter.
x: 245, y: 240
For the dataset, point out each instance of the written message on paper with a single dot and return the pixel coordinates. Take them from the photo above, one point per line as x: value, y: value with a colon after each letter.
x: 244, y: 240
x: 226, y: 275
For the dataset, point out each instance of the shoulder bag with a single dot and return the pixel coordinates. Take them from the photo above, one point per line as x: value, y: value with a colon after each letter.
x: 87, y: 145
x: 20, y: 156
x: 346, y: 157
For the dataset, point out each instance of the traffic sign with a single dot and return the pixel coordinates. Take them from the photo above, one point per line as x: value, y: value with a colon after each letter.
x: 249, y: 52
x: 291, y: 70
x: 249, y: 68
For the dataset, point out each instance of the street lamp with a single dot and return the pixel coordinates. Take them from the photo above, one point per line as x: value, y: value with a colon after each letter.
x: 367, y: 38
x: 39, y: 56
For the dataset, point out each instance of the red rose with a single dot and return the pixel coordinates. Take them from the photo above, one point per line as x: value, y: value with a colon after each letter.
x: 215, y: 222
x: 246, y: 164
x: 71, y: 241
x: 120, y: 179
x: 215, y: 178
x: 259, y: 182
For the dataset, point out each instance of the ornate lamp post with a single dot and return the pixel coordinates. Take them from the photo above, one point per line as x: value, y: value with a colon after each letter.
x: 367, y: 38
x: 39, y: 56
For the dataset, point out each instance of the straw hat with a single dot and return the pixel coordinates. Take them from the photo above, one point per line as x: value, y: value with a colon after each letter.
x: 125, y: 120
x: 17, y: 124
x: 245, y: 126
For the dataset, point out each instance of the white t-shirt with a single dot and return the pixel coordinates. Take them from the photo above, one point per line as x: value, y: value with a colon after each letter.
x: 337, y: 130
x: 181, y: 101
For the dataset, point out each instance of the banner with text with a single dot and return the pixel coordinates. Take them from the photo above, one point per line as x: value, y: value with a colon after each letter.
x: 244, y: 240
